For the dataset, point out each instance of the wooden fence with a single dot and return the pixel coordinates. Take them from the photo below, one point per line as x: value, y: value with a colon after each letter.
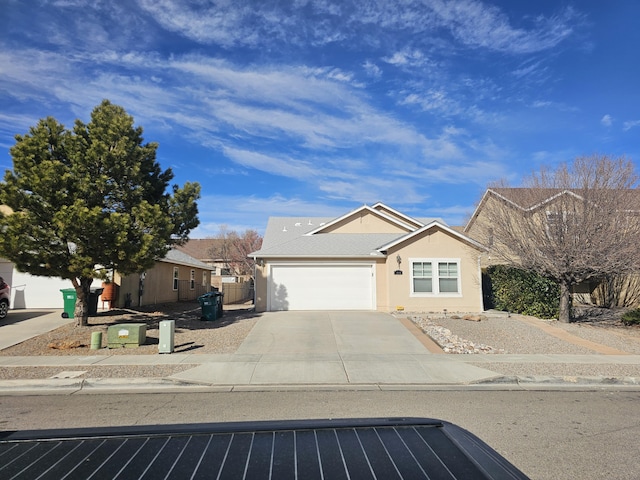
x: 233, y: 292
x: 237, y: 292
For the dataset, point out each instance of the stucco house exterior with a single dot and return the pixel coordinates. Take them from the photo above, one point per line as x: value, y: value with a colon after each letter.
x: 549, y: 209
x: 176, y: 277
x: 372, y: 258
x: 30, y: 291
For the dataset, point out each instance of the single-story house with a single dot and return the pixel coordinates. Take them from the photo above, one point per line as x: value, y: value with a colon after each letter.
x: 176, y: 277
x: 372, y: 258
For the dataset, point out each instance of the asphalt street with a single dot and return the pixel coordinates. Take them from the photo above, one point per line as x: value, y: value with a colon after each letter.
x: 548, y: 435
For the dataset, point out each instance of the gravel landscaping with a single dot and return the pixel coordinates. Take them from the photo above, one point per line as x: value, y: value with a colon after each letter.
x: 498, y: 333
x: 191, y: 333
x: 493, y: 333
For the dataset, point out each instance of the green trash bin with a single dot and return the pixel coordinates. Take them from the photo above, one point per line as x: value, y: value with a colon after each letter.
x: 211, y: 304
x: 69, y: 298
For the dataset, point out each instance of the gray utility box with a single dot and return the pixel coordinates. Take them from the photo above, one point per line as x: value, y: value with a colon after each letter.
x: 167, y: 329
x: 126, y: 335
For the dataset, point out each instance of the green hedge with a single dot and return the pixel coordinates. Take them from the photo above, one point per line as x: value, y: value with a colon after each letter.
x: 632, y: 317
x: 520, y: 291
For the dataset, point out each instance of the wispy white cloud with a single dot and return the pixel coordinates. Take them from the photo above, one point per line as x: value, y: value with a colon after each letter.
x: 409, y: 58
x: 479, y: 25
x: 278, y: 105
x: 630, y: 124
x: 372, y: 69
x: 606, y: 120
x: 470, y: 22
x: 253, y: 210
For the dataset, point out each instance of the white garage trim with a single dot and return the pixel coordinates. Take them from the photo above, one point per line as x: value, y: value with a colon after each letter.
x: 321, y: 286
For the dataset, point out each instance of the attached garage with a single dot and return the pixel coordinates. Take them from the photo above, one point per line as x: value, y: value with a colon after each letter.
x: 321, y: 286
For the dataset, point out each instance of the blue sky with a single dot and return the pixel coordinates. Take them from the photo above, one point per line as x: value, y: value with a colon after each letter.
x: 318, y: 107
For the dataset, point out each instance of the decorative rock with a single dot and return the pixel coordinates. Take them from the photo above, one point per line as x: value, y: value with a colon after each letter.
x: 449, y: 342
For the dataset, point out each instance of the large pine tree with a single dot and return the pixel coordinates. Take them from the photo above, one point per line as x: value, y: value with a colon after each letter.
x: 89, y: 200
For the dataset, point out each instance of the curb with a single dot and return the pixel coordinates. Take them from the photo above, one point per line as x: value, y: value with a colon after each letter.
x: 564, y: 380
x: 158, y: 385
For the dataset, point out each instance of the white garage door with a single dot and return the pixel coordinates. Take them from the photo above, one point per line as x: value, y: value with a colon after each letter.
x: 322, y: 287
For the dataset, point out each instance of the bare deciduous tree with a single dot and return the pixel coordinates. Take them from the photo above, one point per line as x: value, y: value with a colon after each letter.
x: 234, y: 249
x: 577, y: 223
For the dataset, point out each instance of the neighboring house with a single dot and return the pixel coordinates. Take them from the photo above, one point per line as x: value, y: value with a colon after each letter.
x: 549, y: 208
x: 519, y: 201
x: 201, y: 249
x: 30, y: 291
x: 235, y: 288
x: 177, y: 277
x: 373, y: 258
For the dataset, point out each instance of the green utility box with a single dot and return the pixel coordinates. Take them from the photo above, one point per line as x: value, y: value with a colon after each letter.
x: 126, y: 335
x: 211, y: 304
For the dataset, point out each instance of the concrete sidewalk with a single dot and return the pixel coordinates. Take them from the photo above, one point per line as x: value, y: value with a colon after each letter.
x: 319, y: 351
x: 258, y: 371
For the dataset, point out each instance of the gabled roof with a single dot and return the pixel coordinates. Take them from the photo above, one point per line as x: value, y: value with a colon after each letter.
x: 530, y: 199
x: 417, y: 223
x: 284, y: 229
x: 200, y: 248
x: 177, y: 257
x: 374, y: 211
x: 430, y: 226
x: 307, y: 237
x: 350, y: 245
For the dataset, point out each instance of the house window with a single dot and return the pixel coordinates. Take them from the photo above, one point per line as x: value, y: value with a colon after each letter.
x: 192, y: 280
x: 422, y: 277
x: 435, y: 277
x: 175, y: 278
x: 561, y: 224
x: 448, y: 277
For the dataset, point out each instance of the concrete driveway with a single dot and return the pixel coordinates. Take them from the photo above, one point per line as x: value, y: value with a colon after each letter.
x: 332, y: 348
x: 21, y: 325
x: 330, y: 333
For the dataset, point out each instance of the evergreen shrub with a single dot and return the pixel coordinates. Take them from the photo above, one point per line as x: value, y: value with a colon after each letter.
x: 632, y: 317
x: 521, y: 291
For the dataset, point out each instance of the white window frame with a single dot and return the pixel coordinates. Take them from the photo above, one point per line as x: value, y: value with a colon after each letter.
x: 435, y: 278
x: 176, y: 277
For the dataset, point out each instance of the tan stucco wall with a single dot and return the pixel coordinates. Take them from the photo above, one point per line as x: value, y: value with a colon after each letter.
x: 481, y: 230
x: 261, y: 288
x: 435, y: 244
x: 393, y: 291
x: 365, y: 222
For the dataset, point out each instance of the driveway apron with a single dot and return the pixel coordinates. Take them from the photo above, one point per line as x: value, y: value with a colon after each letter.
x: 332, y: 348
